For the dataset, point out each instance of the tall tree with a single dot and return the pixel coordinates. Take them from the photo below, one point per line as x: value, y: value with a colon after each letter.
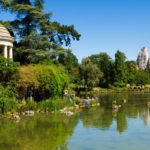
x: 142, y: 78
x: 119, y: 78
x: 105, y: 64
x: 130, y: 71
x: 36, y: 35
x: 70, y: 61
x: 90, y: 74
x: 148, y: 67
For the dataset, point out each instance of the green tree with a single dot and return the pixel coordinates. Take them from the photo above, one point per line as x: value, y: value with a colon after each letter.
x: 148, y: 67
x: 36, y: 35
x: 69, y: 60
x: 8, y: 69
x: 142, y: 78
x: 119, y: 76
x: 7, y: 99
x: 130, y: 71
x: 41, y: 81
x: 105, y: 64
x: 90, y: 74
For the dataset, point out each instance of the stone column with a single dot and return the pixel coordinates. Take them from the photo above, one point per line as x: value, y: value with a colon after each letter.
x: 11, y: 53
x: 5, y: 51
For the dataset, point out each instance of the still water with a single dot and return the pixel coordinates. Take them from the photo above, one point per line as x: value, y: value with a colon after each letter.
x: 98, y: 128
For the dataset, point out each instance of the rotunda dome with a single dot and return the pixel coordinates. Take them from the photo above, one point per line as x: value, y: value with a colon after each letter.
x: 4, y: 31
x: 4, y: 34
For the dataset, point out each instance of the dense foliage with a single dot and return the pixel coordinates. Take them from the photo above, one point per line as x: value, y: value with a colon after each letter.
x: 37, y: 37
x: 7, y: 99
x: 119, y: 72
x: 41, y: 81
x: 71, y: 64
x: 130, y: 71
x: 105, y: 64
x: 90, y: 74
x: 142, y: 78
x: 119, y: 68
x: 7, y: 70
x: 46, y: 69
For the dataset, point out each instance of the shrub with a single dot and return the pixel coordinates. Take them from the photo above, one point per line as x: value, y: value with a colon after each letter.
x: 119, y: 84
x: 142, y: 78
x: 7, y: 99
x: 46, y: 62
x: 78, y: 100
x: 93, y: 102
x: 52, y: 80
x: 41, y: 81
x: 28, y: 105
x: 67, y: 101
x: 90, y: 74
x: 7, y: 69
x: 49, y: 105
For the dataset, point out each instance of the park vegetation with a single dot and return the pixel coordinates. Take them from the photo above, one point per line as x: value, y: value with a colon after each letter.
x: 42, y: 69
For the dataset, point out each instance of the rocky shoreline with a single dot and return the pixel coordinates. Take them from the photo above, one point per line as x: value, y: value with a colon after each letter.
x: 69, y: 111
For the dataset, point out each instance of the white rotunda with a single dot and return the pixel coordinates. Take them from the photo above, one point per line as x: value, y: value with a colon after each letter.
x: 6, y: 43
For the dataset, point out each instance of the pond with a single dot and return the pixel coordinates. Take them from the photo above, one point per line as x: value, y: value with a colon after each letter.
x: 98, y: 128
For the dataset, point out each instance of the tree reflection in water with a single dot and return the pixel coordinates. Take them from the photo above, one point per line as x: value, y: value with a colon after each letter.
x: 104, y: 116
x: 53, y: 131
x: 42, y: 132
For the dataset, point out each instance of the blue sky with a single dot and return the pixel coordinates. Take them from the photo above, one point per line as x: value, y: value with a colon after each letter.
x: 105, y: 25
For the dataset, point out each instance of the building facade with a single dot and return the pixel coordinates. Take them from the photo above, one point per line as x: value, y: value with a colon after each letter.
x: 6, y: 43
x: 143, y: 58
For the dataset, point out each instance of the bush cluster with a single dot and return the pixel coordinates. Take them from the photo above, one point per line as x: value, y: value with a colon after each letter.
x: 41, y: 81
x: 7, y: 99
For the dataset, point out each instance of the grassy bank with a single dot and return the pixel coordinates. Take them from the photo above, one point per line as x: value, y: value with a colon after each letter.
x: 98, y: 91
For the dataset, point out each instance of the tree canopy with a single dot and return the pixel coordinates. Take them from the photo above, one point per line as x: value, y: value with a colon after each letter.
x: 37, y: 37
x: 119, y: 77
x: 90, y: 73
x: 105, y: 64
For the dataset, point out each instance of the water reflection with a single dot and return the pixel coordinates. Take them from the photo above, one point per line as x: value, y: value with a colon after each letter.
x: 99, y: 118
x: 37, y: 133
x: 52, y: 132
x: 104, y: 116
x: 145, y: 116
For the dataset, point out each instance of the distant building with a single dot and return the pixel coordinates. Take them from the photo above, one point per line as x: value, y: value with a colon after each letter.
x: 143, y: 58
